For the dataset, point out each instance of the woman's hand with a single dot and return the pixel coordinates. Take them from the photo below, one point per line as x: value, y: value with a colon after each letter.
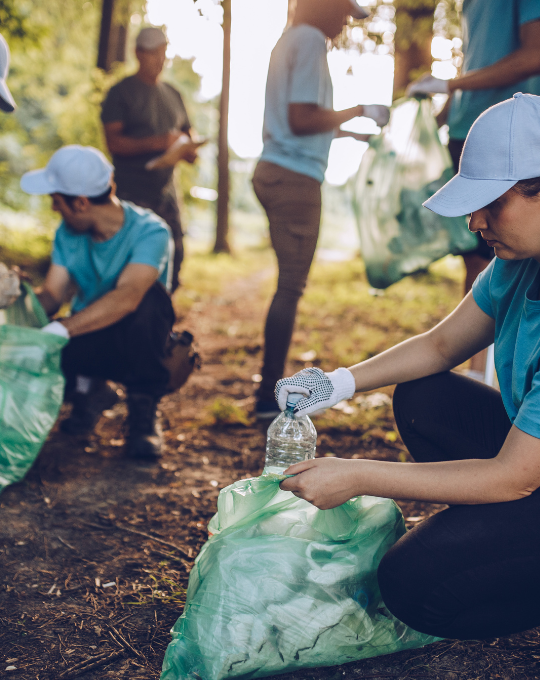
x: 325, y: 482
x: 322, y: 390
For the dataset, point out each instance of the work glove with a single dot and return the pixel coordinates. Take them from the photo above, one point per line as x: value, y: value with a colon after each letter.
x: 427, y: 84
x: 56, y: 328
x: 322, y: 390
x: 377, y: 112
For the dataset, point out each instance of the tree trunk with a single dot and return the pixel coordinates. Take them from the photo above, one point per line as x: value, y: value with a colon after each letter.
x: 414, y: 21
x: 222, y: 226
x: 112, y: 38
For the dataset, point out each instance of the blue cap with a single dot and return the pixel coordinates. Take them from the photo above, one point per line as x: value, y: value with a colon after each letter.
x: 502, y: 148
x: 293, y: 398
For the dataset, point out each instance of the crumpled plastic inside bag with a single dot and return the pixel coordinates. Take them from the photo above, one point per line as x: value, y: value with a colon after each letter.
x: 281, y: 585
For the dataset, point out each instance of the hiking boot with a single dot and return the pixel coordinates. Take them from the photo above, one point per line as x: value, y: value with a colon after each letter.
x: 87, y: 409
x: 143, y: 440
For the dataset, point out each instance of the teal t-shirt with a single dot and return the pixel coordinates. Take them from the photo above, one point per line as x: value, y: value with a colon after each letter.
x: 95, y: 266
x: 298, y: 74
x: 506, y: 291
x: 490, y: 32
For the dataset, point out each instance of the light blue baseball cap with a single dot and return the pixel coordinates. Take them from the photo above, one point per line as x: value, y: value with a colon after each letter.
x: 502, y: 148
x: 73, y: 170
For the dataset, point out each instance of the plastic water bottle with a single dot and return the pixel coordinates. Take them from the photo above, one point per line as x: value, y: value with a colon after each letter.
x: 291, y: 439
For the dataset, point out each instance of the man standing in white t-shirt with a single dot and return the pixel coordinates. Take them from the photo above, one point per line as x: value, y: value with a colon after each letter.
x: 299, y: 126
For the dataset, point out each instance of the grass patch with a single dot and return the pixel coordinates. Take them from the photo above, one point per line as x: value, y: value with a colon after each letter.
x: 344, y: 323
x: 206, y: 274
x: 225, y: 412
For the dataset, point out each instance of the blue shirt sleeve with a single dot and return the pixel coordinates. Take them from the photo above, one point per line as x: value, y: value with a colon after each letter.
x: 528, y: 416
x: 307, y: 77
x: 528, y: 10
x: 481, y: 292
x: 153, y: 248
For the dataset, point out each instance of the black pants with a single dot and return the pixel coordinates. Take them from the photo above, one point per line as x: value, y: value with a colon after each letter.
x: 471, y: 571
x: 130, y: 351
x: 165, y: 205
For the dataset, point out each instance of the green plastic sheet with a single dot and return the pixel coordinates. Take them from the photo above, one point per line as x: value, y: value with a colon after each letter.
x: 401, y: 169
x: 31, y: 385
x: 281, y: 585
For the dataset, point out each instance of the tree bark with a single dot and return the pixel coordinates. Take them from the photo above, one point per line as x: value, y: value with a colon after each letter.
x: 414, y: 33
x: 112, y: 38
x: 222, y: 227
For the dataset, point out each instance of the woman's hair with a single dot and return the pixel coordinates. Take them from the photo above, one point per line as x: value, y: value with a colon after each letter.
x: 528, y: 188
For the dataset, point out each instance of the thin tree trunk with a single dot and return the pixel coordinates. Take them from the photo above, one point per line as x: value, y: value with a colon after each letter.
x: 222, y: 226
x: 112, y: 38
x: 413, y: 41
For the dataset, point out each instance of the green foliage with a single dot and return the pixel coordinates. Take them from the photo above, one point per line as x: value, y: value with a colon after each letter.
x: 16, y: 22
x: 225, y: 412
x: 59, y: 91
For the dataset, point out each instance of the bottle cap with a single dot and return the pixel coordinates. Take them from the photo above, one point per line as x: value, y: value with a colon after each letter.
x: 293, y: 398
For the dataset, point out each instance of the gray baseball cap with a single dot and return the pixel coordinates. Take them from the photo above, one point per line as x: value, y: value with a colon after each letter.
x: 502, y: 147
x: 150, y: 39
x: 7, y: 103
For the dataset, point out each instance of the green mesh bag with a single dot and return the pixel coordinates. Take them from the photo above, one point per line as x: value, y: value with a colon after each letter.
x: 281, y: 585
x: 401, y: 169
x: 31, y: 385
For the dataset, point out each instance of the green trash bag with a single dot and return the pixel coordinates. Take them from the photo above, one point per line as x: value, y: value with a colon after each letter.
x: 281, y: 585
x: 31, y: 385
x: 402, y: 168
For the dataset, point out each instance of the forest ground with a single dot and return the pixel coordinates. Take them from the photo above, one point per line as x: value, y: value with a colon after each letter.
x: 95, y: 551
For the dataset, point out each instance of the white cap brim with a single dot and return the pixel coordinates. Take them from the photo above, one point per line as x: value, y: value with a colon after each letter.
x: 462, y: 196
x: 358, y: 12
x: 7, y: 103
x: 36, y: 182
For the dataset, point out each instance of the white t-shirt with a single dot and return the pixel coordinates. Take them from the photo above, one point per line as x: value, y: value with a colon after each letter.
x: 298, y: 74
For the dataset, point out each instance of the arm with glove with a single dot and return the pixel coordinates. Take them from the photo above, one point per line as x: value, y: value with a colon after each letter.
x: 329, y: 482
x: 454, y: 340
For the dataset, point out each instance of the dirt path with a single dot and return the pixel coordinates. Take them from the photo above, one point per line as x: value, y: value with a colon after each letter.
x: 96, y: 551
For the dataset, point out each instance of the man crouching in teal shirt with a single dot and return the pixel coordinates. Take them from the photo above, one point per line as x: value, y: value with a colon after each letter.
x: 113, y: 260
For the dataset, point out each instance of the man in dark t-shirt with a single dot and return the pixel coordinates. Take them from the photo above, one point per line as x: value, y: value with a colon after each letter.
x: 143, y: 117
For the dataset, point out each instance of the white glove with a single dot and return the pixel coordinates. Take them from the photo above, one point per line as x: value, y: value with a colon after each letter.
x: 427, y: 84
x: 377, y: 112
x: 56, y: 328
x: 322, y: 390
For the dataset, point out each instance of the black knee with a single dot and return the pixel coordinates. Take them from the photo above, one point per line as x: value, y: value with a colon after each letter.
x: 402, y: 590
